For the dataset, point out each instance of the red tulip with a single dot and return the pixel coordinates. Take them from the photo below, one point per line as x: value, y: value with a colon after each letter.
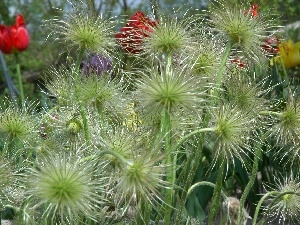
x: 14, y: 38
x: 131, y: 36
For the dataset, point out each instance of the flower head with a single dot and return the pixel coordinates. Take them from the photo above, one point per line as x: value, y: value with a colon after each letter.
x: 232, y: 129
x: 141, y: 179
x: 65, y: 187
x: 85, y: 30
x: 18, y: 123
x: 287, y: 128
x: 15, y: 37
x: 97, y: 65
x: 206, y: 55
x: 171, y: 35
x: 245, y: 92
x: 169, y: 90
x: 286, y: 208
x: 131, y: 36
x: 243, y: 29
x: 289, y: 54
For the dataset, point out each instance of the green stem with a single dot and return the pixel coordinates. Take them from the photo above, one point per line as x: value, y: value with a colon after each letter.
x: 216, y: 196
x: 253, y: 174
x: 204, y: 183
x: 104, y: 152
x: 194, y: 161
x: 166, y: 129
x: 286, y: 80
x: 270, y: 113
x: 20, y: 84
x: 222, y: 69
x: 79, y: 59
x: 170, y: 178
x: 81, y: 107
x: 250, y: 183
x: 183, y: 139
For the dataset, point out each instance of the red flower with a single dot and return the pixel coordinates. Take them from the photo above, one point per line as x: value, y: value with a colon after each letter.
x: 15, y: 37
x: 238, y: 62
x: 253, y: 11
x: 131, y: 36
x: 271, y: 45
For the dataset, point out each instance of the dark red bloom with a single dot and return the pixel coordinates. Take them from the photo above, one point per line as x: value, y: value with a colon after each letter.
x: 253, y: 11
x: 131, y: 36
x: 271, y: 45
x: 238, y: 62
x: 15, y: 37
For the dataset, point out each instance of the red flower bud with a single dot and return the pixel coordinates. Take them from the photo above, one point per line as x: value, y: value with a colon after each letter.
x: 15, y: 37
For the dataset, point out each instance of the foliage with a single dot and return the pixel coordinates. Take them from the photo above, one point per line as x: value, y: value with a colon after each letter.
x: 198, y: 124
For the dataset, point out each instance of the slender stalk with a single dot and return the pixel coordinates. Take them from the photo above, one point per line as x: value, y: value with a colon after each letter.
x: 20, y: 84
x: 197, y: 156
x: 204, y: 183
x: 253, y: 174
x: 216, y: 196
x: 8, y: 80
x: 170, y: 178
x: 81, y: 107
x: 79, y: 59
x: 166, y: 129
x: 222, y: 69
x: 250, y: 183
x: 104, y: 152
x: 183, y: 139
x: 270, y: 113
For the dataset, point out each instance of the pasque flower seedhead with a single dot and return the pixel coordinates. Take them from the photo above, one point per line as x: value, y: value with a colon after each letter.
x: 65, y: 187
x: 206, y: 55
x: 233, y: 130
x: 286, y: 208
x: 169, y: 90
x: 141, y: 179
x: 18, y: 122
x: 83, y: 29
x: 245, y: 92
x: 171, y: 35
x: 287, y: 128
x: 243, y: 30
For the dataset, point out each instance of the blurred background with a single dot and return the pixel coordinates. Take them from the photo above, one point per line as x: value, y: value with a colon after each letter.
x: 42, y: 54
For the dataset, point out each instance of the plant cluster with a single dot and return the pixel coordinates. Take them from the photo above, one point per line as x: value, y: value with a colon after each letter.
x: 191, y: 132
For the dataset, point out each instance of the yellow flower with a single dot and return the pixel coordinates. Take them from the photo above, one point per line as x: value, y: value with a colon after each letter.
x: 289, y: 52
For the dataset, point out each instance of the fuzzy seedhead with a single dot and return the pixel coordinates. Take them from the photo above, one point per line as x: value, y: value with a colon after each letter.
x: 141, y: 180
x: 233, y: 131
x: 83, y: 29
x: 285, y: 207
x: 170, y: 90
x: 171, y: 35
x: 64, y: 187
x: 244, y: 30
x: 18, y: 122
